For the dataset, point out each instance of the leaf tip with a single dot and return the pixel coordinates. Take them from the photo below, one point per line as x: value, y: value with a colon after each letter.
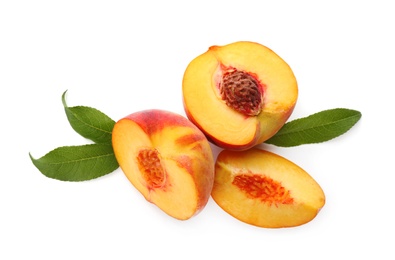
x: 34, y: 160
x: 64, y: 98
x: 31, y: 157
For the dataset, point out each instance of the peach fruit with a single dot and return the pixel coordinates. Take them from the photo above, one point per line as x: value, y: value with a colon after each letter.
x: 167, y: 158
x: 239, y: 94
x: 265, y: 190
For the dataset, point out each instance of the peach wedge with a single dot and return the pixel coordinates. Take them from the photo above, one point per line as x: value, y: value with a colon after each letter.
x: 265, y: 190
x: 239, y: 94
x: 167, y: 158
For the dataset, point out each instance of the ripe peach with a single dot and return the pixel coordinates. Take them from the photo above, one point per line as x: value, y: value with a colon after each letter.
x: 265, y: 190
x: 239, y: 94
x: 167, y: 158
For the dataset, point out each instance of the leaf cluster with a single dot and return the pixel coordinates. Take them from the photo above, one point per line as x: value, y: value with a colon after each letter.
x: 82, y: 162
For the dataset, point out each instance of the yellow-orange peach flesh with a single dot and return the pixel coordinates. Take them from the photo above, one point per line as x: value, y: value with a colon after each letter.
x: 264, y: 189
x: 239, y: 94
x: 167, y: 158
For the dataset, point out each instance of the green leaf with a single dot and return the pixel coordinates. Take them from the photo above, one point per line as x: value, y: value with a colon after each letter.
x: 89, y: 122
x: 316, y: 128
x: 77, y: 163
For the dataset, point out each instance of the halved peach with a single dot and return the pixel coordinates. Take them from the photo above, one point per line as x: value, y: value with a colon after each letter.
x: 265, y: 190
x: 239, y: 94
x: 167, y: 158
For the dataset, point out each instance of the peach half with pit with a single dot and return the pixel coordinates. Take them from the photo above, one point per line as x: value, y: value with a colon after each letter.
x: 264, y: 189
x: 239, y: 94
x: 167, y: 159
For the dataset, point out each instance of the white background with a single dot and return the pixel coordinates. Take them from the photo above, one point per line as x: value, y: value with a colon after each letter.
x: 125, y: 56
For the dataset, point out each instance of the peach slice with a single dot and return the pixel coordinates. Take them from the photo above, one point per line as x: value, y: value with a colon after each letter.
x: 265, y: 190
x: 239, y: 94
x: 167, y: 158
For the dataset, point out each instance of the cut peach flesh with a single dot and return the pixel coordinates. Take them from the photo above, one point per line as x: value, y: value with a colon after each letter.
x: 299, y: 196
x: 204, y: 109
x: 185, y: 157
x: 226, y: 126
